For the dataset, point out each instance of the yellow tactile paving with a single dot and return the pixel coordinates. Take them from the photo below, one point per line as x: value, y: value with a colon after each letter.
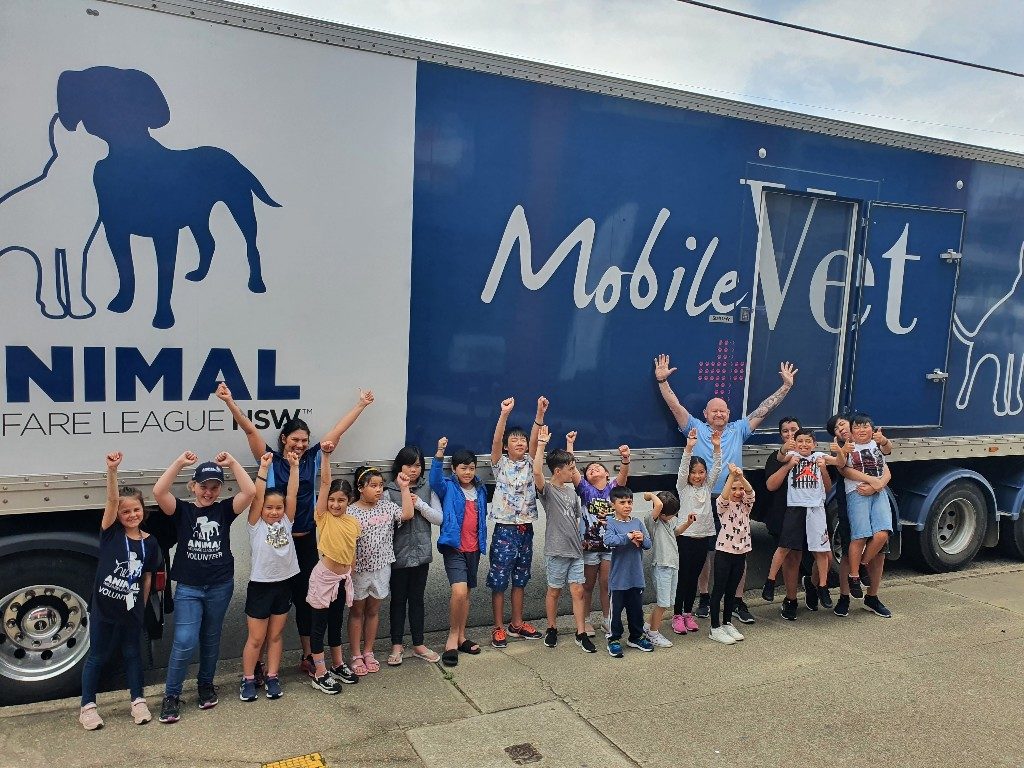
x: 314, y: 760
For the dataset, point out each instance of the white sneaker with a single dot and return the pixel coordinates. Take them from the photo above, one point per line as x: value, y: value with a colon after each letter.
x: 658, y: 639
x: 732, y: 631
x: 719, y: 634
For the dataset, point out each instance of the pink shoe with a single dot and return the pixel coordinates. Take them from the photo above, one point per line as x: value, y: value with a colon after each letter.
x: 678, y: 624
x: 690, y: 623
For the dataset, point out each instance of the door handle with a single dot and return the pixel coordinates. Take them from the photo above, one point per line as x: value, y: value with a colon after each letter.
x: 937, y: 375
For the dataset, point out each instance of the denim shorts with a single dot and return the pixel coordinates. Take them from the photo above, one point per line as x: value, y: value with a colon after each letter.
x: 596, y: 558
x: 666, y: 579
x: 511, y: 555
x: 868, y: 514
x: 564, y: 569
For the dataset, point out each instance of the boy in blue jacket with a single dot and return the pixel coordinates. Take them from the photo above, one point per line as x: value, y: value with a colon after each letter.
x: 626, y: 537
x: 462, y: 540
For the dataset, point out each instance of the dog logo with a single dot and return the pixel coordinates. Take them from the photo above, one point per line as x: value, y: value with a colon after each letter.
x: 139, y: 188
x: 985, y: 343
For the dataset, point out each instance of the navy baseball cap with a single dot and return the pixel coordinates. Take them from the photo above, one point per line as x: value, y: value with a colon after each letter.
x: 208, y: 471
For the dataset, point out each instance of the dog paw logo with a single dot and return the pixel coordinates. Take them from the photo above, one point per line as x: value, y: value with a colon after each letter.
x: 139, y: 187
x: 987, y: 343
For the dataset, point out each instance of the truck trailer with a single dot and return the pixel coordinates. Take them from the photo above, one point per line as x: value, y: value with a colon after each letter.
x: 196, y: 191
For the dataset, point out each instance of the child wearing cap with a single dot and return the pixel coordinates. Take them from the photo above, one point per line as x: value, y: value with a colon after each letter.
x: 203, y: 567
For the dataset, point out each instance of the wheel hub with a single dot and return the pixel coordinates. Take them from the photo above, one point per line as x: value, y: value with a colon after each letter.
x: 44, y: 632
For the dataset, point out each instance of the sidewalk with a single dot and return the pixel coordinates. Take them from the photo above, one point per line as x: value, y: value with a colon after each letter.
x: 937, y: 685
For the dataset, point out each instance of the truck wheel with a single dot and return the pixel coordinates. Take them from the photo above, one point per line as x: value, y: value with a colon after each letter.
x: 1011, y: 537
x: 954, y: 529
x: 44, y: 607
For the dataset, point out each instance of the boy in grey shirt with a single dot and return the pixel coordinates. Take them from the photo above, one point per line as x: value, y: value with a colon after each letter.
x: 563, y: 548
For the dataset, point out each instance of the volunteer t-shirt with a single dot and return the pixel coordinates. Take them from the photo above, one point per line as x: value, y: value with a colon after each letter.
x: 273, y: 551
x: 867, y: 458
x: 117, y: 594
x: 203, y: 553
x: 564, y: 511
x: 804, y: 487
x: 469, y: 540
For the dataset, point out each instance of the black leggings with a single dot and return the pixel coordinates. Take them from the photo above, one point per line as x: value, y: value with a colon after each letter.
x: 330, y: 619
x: 407, y: 587
x: 693, y: 551
x: 728, y: 572
x: 305, y: 551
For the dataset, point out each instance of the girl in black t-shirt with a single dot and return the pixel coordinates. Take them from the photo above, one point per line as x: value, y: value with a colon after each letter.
x: 128, y: 559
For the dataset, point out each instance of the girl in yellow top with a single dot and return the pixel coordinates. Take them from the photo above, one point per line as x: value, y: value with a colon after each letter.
x: 337, y: 533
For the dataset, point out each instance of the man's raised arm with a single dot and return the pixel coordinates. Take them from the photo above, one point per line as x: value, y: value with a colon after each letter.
x: 788, y: 373
x: 661, y: 374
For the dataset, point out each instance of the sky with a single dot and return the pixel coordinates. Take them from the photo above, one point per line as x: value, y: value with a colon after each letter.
x: 695, y: 49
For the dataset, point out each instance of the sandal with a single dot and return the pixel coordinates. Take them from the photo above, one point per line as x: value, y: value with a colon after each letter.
x: 395, y: 658
x: 358, y: 667
x: 468, y: 646
x: 430, y: 656
x: 372, y: 665
x: 450, y: 657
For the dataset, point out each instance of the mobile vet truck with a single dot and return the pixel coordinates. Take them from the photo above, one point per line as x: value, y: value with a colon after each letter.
x: 194, y: 191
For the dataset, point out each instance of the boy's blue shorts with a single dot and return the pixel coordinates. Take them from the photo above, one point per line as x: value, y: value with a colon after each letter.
x: 511, y: 556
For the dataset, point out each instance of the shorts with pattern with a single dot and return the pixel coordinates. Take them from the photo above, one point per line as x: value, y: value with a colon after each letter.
x: 376, y: 584
x: 511, y: 556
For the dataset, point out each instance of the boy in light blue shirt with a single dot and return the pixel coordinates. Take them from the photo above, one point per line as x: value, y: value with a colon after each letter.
x: 626, y: 538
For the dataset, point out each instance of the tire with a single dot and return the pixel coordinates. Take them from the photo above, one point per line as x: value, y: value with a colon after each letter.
x: 43, y: 659
x: 954, y: 528
x: 1011, y: 537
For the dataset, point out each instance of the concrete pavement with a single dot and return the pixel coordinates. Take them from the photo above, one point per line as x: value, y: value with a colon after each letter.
x: 937, y: 685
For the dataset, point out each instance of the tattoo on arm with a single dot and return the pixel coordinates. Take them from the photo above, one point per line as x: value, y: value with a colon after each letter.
x: 769, y: 403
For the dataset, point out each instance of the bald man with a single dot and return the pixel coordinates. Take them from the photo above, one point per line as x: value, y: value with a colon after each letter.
x: 734, y: 434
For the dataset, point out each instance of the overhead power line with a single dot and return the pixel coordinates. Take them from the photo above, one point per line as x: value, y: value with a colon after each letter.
x: 850, y: 39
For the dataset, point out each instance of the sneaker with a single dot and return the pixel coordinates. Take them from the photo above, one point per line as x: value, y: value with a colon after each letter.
x: 873, y: 604
x: 704, y: 606
x: 690, y: 623
x: 615, y: 649
x: 677, y: 624
x: 208, y: 696
x: 865, y: 577
x: 260, y: 675
x: 824, y: 597
x: 343, y: 674
x: 732, y: 632
x: 90, y: 718
x: 551, y: 637
x: 526, y: 631
x: 274, y: 688
x: 842, y: 606
x: 810, y: 594
x: 718, y: 634
x: 643, y: 644
x: 247, y: 690
x: 855, y: 590
x: 658, y: 640
x: 584, y: 642
x: 307, y: 665
x: 741, y: 612
x: 768, y: 590
x: 498, y: 638
x: 140, y: 712
x: 327, y: 684
x: 170, y: 709
x: 788, y: 611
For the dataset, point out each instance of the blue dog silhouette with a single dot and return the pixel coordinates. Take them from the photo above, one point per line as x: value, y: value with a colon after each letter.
x: 145, y: 189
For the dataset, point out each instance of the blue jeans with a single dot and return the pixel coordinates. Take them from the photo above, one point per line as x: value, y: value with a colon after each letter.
x: 104, y: 637
x: 198, y: 619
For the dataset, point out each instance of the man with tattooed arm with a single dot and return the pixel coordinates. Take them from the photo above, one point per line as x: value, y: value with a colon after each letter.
x: 734, y: 434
